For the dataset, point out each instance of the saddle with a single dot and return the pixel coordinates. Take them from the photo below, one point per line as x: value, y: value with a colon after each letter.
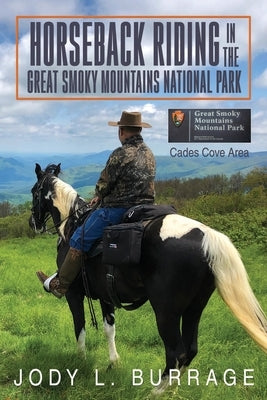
x: 147, y: 212
x: 128, y: 234
x: 122, y: 244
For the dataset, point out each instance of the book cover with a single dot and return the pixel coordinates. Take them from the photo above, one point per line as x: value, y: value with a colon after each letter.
x: 197, y: 74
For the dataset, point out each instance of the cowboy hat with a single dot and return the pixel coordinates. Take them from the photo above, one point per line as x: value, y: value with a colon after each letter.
x: 130, y: 119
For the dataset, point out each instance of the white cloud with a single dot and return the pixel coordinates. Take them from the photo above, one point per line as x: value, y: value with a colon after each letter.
x: 10, y: 9
x: 259, y: 119
x: 261, y: 81
x: 82, y: 125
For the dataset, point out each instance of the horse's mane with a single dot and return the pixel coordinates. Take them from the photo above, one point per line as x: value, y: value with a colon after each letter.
x: 64, y: 199
x: 64, y: 195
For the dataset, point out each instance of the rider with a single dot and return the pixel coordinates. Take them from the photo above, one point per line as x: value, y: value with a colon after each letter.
x: 126, y: 180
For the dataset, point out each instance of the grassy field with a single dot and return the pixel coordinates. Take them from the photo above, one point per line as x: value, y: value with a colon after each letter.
x: 37, y: 339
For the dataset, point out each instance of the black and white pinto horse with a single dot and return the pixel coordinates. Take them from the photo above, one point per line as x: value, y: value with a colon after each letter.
x: 182, y: 263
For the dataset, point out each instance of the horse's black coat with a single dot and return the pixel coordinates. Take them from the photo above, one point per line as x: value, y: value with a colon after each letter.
x: 174, y: 275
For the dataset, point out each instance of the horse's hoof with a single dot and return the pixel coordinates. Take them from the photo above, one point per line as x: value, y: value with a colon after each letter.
x: 82, y: 354
x: 113, y: 364
x: 110, y: 367
x: 160, y: 389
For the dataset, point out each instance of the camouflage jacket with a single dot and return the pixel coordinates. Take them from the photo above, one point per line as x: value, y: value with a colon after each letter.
x: 128, y: 177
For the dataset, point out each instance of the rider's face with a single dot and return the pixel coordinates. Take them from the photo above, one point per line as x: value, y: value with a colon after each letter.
x: 121, y: 135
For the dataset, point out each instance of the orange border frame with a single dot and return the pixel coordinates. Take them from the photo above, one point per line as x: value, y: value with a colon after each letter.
x: 132, y: 17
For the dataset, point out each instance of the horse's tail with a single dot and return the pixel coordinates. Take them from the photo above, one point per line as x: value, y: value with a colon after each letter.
x: 233, y: 285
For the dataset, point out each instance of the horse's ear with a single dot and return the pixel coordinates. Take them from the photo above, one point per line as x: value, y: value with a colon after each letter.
x: 57, y: 169
x: 38, y: 171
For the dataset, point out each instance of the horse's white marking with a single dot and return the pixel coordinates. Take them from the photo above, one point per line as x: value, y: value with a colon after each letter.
x: 48, y: 195
x: 176, y: 226
x: 166, y: 382
x: 110, y: 335
x: 160, y: 389
x: 81, y: 342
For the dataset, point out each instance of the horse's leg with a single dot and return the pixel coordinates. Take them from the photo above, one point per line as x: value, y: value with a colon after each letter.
x: 75, y: 302
x: 109, y: 329
x: 169, y: 329
x: 191, y: 318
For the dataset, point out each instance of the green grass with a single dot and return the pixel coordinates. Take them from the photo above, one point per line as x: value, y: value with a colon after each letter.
x: 36, y: 332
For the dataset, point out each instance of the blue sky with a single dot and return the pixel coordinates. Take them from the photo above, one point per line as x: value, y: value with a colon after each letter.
x: 81, y: 126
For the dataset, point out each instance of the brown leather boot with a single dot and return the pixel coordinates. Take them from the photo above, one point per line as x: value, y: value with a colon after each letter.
x: 51, y: 284
x: 58, y: 284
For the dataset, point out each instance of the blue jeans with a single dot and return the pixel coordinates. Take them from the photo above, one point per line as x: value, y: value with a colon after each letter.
x: 86, y: 234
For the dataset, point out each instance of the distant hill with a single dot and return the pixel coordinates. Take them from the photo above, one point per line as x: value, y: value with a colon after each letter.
x: 168, y: 167
x: 17, y: 174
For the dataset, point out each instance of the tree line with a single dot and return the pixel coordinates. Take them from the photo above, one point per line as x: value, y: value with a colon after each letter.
x: 6, y: 208
x: 182, y: 189
x: 235, y: 205
x: 213, y: 184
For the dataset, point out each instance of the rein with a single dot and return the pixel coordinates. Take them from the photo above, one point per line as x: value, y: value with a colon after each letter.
x: 85, y: 279
x: 57, y: 225
x: 83, y: 269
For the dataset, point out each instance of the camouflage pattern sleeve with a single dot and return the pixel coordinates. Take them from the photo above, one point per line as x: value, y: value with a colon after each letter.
x: 128, y: 177
x: 108, y: 175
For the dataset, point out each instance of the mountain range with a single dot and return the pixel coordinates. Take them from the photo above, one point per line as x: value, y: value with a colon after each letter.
x: 17, y: 174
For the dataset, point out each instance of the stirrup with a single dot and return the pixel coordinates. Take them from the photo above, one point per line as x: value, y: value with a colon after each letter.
x: 47, y: 282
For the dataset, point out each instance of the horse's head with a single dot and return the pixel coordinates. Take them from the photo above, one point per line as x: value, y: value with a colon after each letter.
x: 42, y: 196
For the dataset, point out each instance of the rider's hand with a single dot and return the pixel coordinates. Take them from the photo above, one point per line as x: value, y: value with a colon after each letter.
x: 94, y: 201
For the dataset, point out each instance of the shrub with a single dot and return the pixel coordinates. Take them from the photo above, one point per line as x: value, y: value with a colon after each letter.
x: 15, y: 226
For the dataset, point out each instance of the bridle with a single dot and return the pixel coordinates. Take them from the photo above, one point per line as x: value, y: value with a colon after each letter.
x: 36, y: 216
x: 36, y: 210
